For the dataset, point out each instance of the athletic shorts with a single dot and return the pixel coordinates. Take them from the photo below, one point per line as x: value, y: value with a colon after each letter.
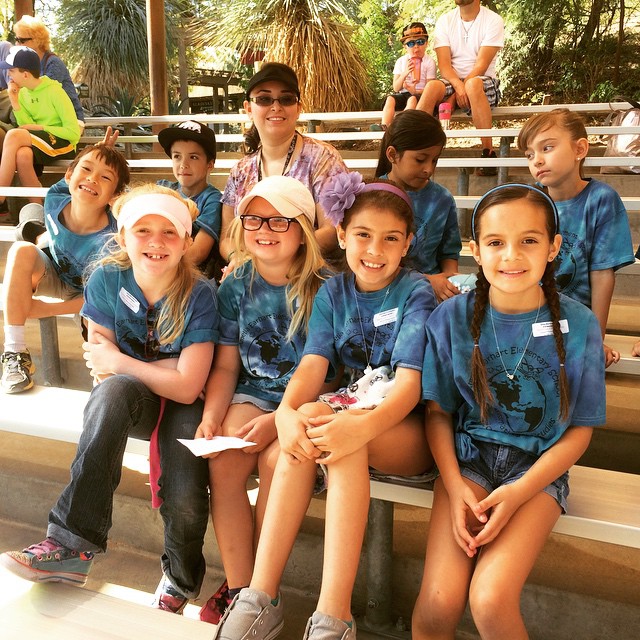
x: 47, y: 148
x: 401, y: 98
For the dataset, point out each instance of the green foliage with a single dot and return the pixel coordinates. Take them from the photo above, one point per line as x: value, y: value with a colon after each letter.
x: 378, y: 45
x: 123, y: 104
x: 105, y: 41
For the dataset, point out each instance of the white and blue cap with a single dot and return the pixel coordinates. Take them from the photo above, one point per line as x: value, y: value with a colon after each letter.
x: 519, y: 186
x: 21, y: 58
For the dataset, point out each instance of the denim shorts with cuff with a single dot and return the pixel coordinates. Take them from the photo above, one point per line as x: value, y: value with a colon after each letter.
x: 499, y: 464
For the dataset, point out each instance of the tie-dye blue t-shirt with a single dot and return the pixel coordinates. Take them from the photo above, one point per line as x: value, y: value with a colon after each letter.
x: 437, y: 235
x: 254, y: 317
x: 526, y: 410
x: 384, y: 327
x: 595, y: 236
x: 114, y: 300
x: 209, y: 206
x: 72, y: 253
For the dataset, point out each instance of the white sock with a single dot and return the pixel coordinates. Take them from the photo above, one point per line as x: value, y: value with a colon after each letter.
x: 14, y: 338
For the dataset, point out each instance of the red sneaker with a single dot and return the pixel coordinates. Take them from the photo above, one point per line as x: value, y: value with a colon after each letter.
x: 216, y: 605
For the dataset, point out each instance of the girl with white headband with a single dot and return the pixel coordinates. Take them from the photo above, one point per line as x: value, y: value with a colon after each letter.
x: 369, y: 321
x: 152, y: 324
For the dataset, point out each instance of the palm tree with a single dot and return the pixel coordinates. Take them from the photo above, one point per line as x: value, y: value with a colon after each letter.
x: 314, y: 37
x: 105, y: 42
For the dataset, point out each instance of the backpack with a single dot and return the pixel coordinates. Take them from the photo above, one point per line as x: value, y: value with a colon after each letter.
x: 624, y: 144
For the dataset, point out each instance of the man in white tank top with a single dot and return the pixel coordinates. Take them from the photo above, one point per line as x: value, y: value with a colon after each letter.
x: 467, y: 41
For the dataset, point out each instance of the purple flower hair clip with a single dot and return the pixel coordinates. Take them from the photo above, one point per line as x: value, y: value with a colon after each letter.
x: 340, y: 194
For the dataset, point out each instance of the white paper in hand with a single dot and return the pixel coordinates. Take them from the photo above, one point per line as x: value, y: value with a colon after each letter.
x: 202, y: 446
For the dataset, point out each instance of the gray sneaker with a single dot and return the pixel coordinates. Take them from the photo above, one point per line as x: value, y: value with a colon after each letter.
x: 17, y: 369
x: 251, y: 615
x: 320, y: 626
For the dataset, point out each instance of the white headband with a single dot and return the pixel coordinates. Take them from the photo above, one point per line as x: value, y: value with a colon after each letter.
x: 158, y: 204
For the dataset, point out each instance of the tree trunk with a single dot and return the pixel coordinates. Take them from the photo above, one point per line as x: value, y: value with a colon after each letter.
x: 592, y: 24
x: 616, y: 67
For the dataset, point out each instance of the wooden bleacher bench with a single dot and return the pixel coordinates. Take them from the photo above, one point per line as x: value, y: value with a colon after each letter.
x: 63, y: 612
x: 604, y: 505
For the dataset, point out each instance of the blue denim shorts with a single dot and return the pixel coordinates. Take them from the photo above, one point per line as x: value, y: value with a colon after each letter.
x: 499, y: 464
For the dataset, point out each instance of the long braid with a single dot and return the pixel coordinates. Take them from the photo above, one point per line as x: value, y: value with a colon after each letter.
x: 553, y: 302
x: 481, y: 390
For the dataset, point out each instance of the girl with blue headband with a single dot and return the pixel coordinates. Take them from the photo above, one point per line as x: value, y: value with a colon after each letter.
x: 508, y: 413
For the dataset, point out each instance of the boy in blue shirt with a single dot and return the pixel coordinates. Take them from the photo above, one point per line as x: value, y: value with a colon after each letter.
x: 78, y: 218
x: 191, y: 146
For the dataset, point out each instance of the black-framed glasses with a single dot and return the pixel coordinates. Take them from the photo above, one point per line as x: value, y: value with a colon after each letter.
x: 277, y: 224
x: 151, y: 343
x: 412, y: 43
x: 286, y: 100
x: 23, y: 40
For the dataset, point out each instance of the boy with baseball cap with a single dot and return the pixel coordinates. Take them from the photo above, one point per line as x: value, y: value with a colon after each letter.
x: 47, y: 124
x: 191, y: 146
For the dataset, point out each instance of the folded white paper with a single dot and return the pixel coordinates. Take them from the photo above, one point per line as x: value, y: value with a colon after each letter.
x: 202, y: 446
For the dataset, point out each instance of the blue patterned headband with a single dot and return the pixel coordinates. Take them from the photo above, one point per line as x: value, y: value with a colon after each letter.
x: 520, y: 185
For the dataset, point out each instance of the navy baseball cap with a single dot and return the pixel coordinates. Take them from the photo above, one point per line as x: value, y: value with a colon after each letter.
x: 189, y: 130
x: 21, y: 58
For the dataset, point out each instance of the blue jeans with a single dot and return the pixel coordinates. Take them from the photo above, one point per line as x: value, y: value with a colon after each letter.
x: 119, y: 407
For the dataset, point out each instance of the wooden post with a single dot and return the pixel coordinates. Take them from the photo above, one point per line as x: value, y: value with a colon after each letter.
x: 156, y: 39
x: 23, y: 8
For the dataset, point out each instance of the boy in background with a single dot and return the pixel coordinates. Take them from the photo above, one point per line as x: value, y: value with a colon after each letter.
x: 47, y: 125
x: 191, y: 146
x: 79, y: 220
x: 411, y: 73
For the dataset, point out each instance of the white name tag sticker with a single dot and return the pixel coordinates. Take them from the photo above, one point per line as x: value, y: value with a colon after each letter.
x: 539, y: 329
x: 129, y: 300
x: 385, y: 317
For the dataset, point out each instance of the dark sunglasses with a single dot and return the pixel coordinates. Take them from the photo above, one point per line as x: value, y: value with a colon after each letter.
x: 151, y: 343
x: 266, y: 101
x: 277, y: 224
x: 23, y: 40
x: 413, y: 43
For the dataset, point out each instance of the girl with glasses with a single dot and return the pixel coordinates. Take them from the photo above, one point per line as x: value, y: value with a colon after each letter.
x: 411, y: 73
x: 369, y: 320
x: 265, y: 307
x: 152, y: 322
x: 277, y: 149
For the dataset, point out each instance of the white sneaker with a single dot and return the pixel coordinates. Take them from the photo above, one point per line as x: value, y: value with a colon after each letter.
x: 251, y: 614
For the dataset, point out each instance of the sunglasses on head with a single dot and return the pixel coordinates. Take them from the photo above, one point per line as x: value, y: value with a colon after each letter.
x: 278, y: 224
x: 287, y: 100
x: 23, y: 40
x: 412, y: 43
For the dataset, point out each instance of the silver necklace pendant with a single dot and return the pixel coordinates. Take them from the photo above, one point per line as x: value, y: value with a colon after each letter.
x: 511, y: 376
